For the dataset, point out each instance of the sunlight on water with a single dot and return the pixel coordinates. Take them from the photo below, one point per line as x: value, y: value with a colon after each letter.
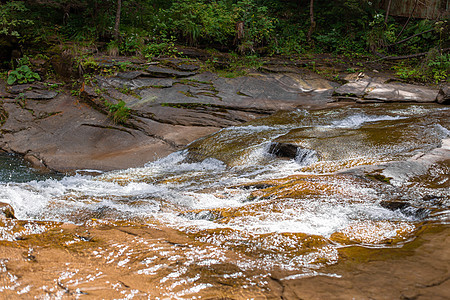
x: 240, y: 207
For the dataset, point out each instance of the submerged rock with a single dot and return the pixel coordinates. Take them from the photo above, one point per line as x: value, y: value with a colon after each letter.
x: 284, y: 150
x: 6, y: 211
x: 406, y: 209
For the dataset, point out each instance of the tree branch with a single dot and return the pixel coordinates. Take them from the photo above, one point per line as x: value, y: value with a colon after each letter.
x: 410, y: 16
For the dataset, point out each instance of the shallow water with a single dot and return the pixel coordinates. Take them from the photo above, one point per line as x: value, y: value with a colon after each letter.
x: 239, y: 213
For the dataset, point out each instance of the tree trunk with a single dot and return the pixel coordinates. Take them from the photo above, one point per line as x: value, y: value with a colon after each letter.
x: 387, y: 11
x: 313, y: 23
x: 117, y: 24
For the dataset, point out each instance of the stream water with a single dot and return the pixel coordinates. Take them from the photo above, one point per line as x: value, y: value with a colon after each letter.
x: 228, y: 212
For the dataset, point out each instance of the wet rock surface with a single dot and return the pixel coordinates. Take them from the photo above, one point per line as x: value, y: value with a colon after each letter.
x: 171, y: 103
x: 418, y: 270
x: 6, y: 211
x: 170, y: 106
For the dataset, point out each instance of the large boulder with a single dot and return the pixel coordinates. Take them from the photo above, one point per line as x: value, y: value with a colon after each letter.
x: 375, y: 90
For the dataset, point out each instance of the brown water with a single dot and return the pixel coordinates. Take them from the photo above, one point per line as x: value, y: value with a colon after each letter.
x: 224, y: 218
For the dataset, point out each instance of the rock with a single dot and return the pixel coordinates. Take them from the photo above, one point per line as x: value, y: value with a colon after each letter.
x: 130, y: 75
x: 397, y: 172
x: 156, y: 71
x: 193, y: 52
x: 405, y: 208
x: 63, y: 64
x: 6, y: 211
x: 394, y: 205
x: 40, y: 94
x: 35, y: 162
x: 167, y: 112
x: 283, y: 150
x: 187, y: 67
x: 36, y: 91
x: 354, y: 89
x: 376, y: 90
x: 20, y: 88
x: 443, y: 96
x: 286, y: 150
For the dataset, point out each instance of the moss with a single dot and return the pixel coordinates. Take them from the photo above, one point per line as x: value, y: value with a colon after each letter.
x: 379, y: 177
x: 188, y: 94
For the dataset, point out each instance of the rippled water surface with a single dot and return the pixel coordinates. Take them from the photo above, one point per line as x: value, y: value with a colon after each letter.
x: 242, y: 213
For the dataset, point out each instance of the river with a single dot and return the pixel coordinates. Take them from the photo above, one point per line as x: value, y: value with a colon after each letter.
x: 221, y: 217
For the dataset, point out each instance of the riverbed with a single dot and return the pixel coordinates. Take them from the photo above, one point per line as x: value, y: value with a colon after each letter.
x: 227, y: 218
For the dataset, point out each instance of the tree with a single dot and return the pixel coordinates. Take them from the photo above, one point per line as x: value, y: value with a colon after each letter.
x: 117, y: 22
x: 311, y: 16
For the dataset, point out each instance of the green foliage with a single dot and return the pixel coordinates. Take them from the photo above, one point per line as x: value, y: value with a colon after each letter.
x: 258, y: 25
x: 12, y: 18
x: 200, y: 20
x: 439, y: 67
x: 131, y: 44
x: 248, y: 27
x: 162, y: 47
x: 119, y: 112
x: 22, y: 74
x: 380, y: 33
x: 435, y: 68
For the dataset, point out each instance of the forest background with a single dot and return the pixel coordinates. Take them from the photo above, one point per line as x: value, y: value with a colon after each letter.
x: 247, y: 30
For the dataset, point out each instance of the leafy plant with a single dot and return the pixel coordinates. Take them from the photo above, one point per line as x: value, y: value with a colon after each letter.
x: 131, y: 44
x: 164, y: 47
x: 22, y: 74
x: 119, y: 112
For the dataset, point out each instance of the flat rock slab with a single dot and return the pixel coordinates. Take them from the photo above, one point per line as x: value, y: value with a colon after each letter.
x: 156, y: 71
x: 40, y: 94
x: 368, y: 90
x: 36, y: 91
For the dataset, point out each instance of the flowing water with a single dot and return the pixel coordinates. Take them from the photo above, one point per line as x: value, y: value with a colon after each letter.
x: 219, y: 217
